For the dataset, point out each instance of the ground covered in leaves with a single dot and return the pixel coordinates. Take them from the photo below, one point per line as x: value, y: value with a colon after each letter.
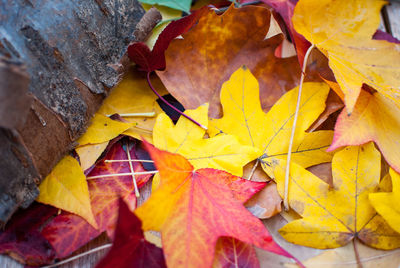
x: 282, y: 100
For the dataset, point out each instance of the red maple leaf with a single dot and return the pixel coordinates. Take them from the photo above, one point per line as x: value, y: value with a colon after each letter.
x: 130, y: 249
x: 151, y: 60
x: 22, y: 240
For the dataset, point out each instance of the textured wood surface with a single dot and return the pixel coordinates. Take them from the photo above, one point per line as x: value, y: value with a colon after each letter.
x: 73, y: 53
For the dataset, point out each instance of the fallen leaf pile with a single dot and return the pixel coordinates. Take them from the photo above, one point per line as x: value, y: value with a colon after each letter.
x: 200, y: 190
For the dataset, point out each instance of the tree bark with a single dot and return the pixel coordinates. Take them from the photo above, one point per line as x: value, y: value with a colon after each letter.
x: 73, y: 53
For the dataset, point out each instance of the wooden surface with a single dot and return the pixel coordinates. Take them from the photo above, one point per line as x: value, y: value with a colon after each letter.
x: 393, y: 12
x: 73, y: 54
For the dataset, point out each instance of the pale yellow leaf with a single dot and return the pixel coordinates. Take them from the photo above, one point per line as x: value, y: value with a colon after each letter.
x: 88, y: 154
x: 102, y: 129
x: 153, y: 237
x: 345, y: 257
x: 66, y: 188
x: 168, y: 15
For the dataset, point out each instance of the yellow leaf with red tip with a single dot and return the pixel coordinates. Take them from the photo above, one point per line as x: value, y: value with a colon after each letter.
x: 375, y: 118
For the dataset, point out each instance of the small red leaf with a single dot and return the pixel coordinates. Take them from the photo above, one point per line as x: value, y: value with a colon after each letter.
x: 153, y: 60
x: 130, y: 249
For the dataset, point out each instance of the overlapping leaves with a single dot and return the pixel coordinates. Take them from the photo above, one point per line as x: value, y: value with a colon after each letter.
x: 215, y: 47
x: 66, y: 188
x: 374, y: 118
x: 343, y: 30
x: 68, y: 232
x: 192, y: 208
x: 224, y: 152
x: 198, y: 206
x: 333, y: 216
x: 130, y: 249
x: 270, y: 132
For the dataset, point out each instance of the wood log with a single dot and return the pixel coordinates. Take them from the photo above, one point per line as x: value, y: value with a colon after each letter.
x: 73, y: 53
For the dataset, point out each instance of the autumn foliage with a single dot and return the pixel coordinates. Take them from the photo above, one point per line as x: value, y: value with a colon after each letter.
x: 256, y: 81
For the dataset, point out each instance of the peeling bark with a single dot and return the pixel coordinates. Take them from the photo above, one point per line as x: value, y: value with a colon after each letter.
x: 73, y: 53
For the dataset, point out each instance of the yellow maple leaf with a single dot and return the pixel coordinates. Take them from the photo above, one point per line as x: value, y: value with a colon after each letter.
x: 134, y: 96
x: 343, y: 31
x: 66, y: 188
x: 386, y: 204
x: 223, y: 152
x: 333, y: 216
x: 270, y: 132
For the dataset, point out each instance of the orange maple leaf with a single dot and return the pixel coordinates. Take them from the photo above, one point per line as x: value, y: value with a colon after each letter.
x: 193, y: 208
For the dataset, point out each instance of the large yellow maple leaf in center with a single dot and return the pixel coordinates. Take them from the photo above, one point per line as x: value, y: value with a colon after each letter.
x: 270, y: 132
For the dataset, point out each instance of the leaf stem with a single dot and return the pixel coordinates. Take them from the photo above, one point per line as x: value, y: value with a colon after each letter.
x: 296, y: 115
x: 170, y: 105
x: 128, y: 153
x: 357, y: 255
x: 125, y: 160
x: 253, y: 170
x: 121, y: 174
x: 79, y: 256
